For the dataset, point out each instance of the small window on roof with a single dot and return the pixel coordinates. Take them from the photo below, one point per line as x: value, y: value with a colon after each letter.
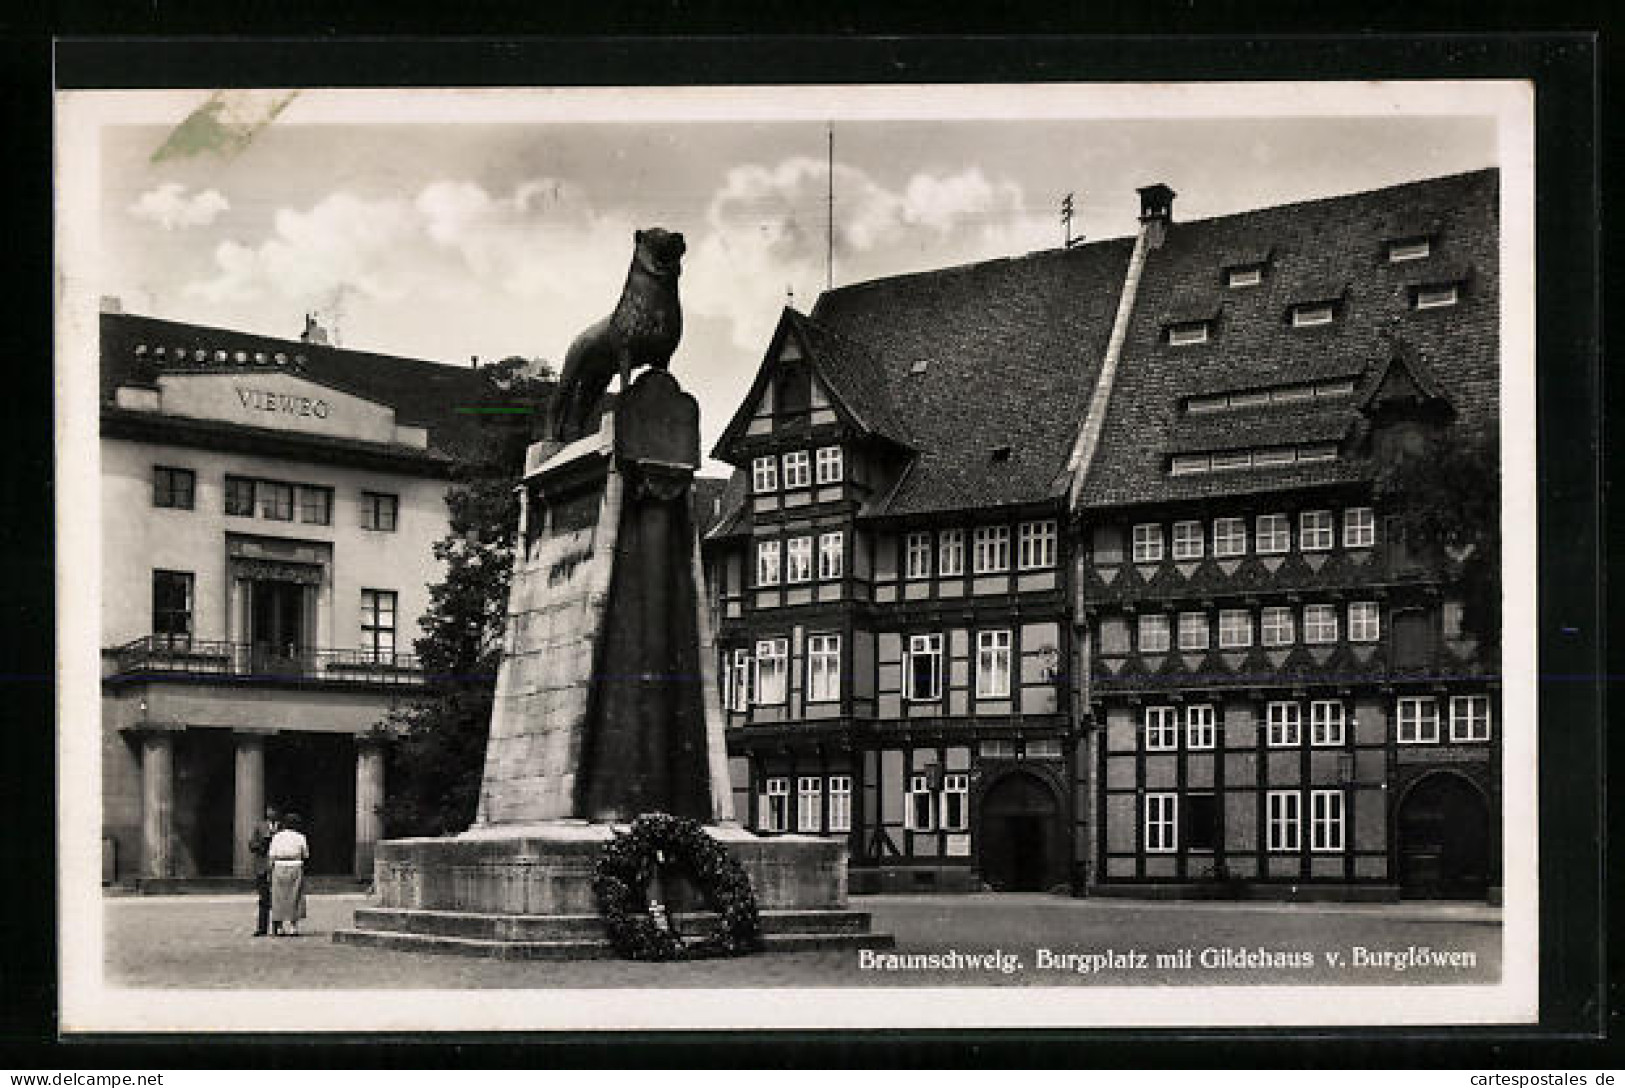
x: 1001, y: 453
x: 1188, y: 332
x: 920, y: 366
x: 1244, y: 275
x: 1409, y: 249
x: 1308, y: 314
x: 1436, y: 296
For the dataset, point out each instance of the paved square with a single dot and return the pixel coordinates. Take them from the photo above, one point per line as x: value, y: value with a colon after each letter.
x: 205, y: 942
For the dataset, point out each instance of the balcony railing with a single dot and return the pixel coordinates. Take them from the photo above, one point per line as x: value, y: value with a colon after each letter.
x: 181, y: 655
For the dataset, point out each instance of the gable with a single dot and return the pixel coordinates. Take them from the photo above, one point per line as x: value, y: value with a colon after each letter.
x: 283, y: 402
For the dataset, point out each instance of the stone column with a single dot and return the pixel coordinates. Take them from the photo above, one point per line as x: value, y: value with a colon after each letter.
x: 157, y: 803
x: 249, y: 799
x: 369, y: 799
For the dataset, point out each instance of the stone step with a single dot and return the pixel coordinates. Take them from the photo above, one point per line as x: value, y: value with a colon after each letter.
x: 567, y: 927
x: 579, y: 948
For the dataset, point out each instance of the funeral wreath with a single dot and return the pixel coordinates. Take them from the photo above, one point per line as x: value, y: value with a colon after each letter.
x: 639, y: 926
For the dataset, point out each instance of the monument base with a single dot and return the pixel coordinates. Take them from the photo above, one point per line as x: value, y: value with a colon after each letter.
x: 525, y: 892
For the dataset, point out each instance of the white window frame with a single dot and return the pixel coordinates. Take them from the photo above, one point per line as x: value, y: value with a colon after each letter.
x: 772, y: 658
x: 1416, y: 719
x: 1186, y: 333
x: 990, y: 549
x: 775, y: 804
x: 1148, y: 543
x: 1309, y: 315
x: 930, y: 646
x: 1365, y: 621
x: 1285, y: 820
x: 831, y: 555
x: 1464, y: 723
x: 1161, y: 823
x: 840, y: 803
x: 1283, y: 724
x: 1195, y: 631
x: 1359, y: 527
x: 764, y: 475
x: 1036, y: 545
x: 742, y: 688
x: 994, y: 650
x: 829, y: 465
x: 917, y: 556
x: 1328, y: 721
x: 1229, y: 537
x: 1161, y: 729
x: 1409, y: 249
x: 1201, y: 727
x: 1235, y: 629
x: 1316, y: 532
x: 769, y: 569
x: 1188, y: 539
x: 1327, y: 810
x: 1270, y: 623
x: 1319, y: 624
x: 951, y: 553
x: 1438, y: 296
x: 919, y: 809
x: 1272, y: 534
x: 955, y: 795
x: 1244, y: 275
x: 797, y: 470
x: 809, y: 803
x: 798, y: 560
x: 823, y: 668
x: 1149, y: 623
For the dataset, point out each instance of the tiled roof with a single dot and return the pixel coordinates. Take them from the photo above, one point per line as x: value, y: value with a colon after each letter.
x: 854, y: 377
x: 983, y: 357
x: 706, y: 500
x: 732, y: 518
x: 1337, y: 243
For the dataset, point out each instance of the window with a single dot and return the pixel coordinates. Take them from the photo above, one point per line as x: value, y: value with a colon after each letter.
x: 1418, y: 720
x: 1325, y: 820
x: 1285, y: 820
x: 1153, y: 634
x: 1187, y: 540
x: 775, y: 814
x: 1161, y: 728
x: 378, y: 623
x: 1186, y: 465
x: 1272, y: 534
x: 955, y: 802
x: 1193, y: 634
x: 922, y: 671
x: 1235, y: 629
x: 173, y: 488
x: 1249, y: 275
x: 1283, y: 725
x: 316, y: 505
x: 1435, y: 298
x: 997, y: 749
x: 1359, y: 527
x: 809, y: 803
x: 172, y: 607
x: 830, y: 466
x: 379, y: 511
x: 1189, y: 332
x: 992, y: 664
x: 1469, y: 717
x: 1408, y: 249
x: 239, y: 496
x: 840, y: 802
x: 1308, y: 314
x: 1042, y: 748
x: 1326, y: 723
x: 798, y: 559
x: 1315, y: 530
x: 823, y: 668
x: 991, y: 549
x: 796, y: 469
x: 276, y: 500
x: 951, y: 552
x: 772, y: 670
x: 1147, y: 543
x: 739, y: 689
x: 917, y: 555
x: 1319, y: 624
x: 1037, y: 545
x: 1200, y: 728
x: 1161, y: 823
x: 1275, y: 627
x: 918, y: 814
x: 1364, y: 622
x: 831, y: 555
x: 1229, y: 537
x: 764, y: 474
x: 767, y: 562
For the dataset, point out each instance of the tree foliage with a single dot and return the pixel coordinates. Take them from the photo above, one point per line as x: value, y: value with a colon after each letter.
x: 435, y: 768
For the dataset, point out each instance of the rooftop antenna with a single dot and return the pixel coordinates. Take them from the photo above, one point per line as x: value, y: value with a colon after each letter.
x: 790, y: 295
x: 829, y: 249
x: 1066, y: 223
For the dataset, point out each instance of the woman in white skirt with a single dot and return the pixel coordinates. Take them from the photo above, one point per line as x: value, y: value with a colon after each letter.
x: 288, y: 852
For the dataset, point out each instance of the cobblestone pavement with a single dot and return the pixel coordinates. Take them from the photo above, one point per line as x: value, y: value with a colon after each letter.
x: 203, y: 942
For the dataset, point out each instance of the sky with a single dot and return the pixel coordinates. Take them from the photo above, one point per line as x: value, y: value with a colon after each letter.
x: 443, y: 238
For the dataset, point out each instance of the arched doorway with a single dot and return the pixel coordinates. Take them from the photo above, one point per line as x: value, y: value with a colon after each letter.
x: 1020, y: 845
x: 1444, y: 839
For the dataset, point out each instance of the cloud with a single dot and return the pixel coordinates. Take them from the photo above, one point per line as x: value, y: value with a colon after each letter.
x: 170, y: 207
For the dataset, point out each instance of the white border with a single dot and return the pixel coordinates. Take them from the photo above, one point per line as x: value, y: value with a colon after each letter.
x: 90, y: 1005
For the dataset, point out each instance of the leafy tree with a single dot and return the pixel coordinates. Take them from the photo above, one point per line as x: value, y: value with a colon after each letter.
x: 435, y: 768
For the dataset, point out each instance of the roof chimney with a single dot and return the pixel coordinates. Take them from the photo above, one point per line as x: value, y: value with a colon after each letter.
x: 314, y: 333
x: 1156, y: 212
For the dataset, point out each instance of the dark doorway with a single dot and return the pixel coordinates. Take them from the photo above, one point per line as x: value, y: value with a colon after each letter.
x: 204, y: 793
x: 277, y: 625
x: 1444, y: 840
x: 1020, y: 838
x: 313, y: 774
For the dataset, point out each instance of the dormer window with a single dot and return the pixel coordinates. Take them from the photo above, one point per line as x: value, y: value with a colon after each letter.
x: 1409, y: 249
x: 1435, y: 296
x: 1189, y: 332
x: 1304, y: 315
x: 1246, y: 275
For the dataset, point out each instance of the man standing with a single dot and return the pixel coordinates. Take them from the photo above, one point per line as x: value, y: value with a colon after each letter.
x: 260, y: 846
